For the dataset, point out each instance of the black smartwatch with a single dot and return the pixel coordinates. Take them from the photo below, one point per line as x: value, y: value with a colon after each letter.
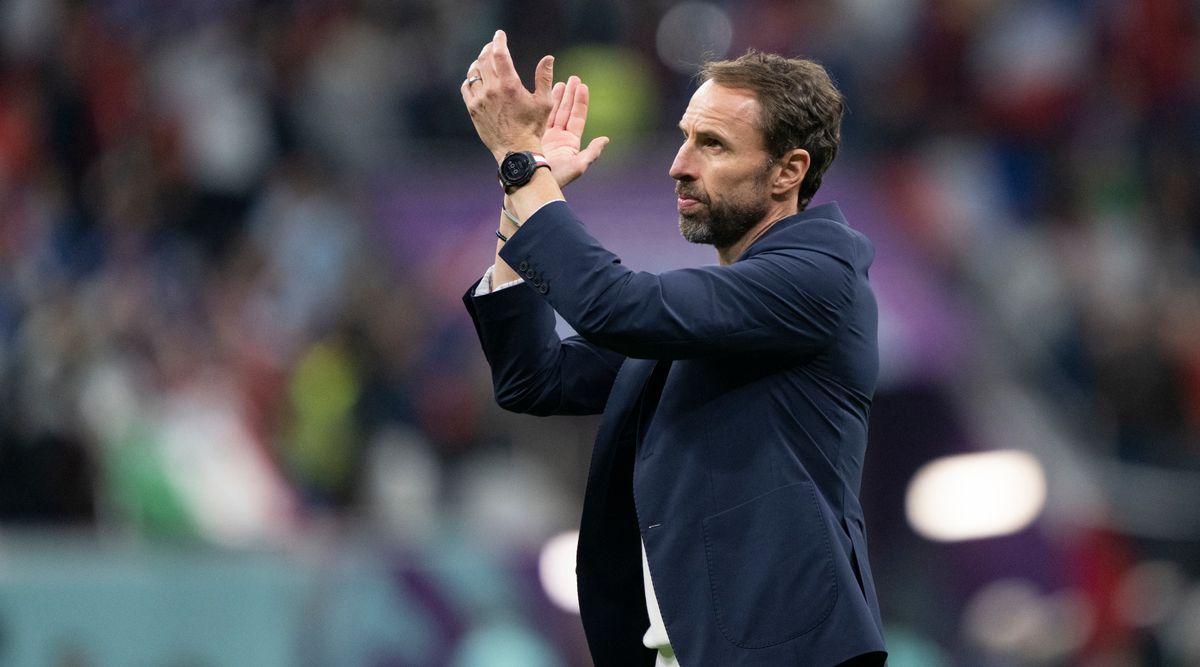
x: 516, y: 169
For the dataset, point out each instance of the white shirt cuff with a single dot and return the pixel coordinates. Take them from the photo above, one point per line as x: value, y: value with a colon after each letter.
x: 485, y: 288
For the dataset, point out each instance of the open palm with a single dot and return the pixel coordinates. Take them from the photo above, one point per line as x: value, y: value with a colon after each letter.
x: 564, y: 132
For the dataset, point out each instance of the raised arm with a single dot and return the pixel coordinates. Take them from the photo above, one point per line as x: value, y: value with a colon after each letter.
x: 789, y: 296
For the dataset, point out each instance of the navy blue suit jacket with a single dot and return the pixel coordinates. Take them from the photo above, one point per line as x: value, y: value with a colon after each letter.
x: 735, y: 403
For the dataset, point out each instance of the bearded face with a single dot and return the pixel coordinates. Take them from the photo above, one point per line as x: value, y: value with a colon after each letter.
x: 722, y: 222
x: 722, y: 170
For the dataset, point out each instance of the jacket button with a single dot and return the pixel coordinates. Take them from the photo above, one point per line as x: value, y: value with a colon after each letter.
x: 523, y: 266
x: 542, y: 287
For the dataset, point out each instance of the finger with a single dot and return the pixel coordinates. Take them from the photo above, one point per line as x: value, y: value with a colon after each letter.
x: 468, y: 94
x: 564, y: 110
x: 487, y: 66
x: 472, y: 70
x: 501, y: 59
x: 579, y: 111
x: 543, y: 78
x: 594, y: 148
x: 467, y: 85
x: 556, y: 95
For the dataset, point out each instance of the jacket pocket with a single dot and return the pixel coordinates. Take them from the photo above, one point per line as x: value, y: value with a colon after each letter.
x: 770, y: 567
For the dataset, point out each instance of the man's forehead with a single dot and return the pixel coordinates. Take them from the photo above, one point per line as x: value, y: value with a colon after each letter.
x: 734, y: 108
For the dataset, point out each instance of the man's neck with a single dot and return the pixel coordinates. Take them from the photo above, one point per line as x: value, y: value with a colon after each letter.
x: 728, y: 255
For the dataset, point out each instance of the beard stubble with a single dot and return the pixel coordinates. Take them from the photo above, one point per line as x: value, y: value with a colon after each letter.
x: 721, y: 224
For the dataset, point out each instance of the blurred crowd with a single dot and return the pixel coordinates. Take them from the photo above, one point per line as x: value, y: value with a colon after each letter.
x: 221, y: 318
x: 200, y: 334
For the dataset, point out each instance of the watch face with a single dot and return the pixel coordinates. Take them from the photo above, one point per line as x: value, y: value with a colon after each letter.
x: 516, y: 167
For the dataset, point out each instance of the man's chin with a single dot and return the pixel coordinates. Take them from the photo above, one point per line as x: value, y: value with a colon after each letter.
x: 694, y: 231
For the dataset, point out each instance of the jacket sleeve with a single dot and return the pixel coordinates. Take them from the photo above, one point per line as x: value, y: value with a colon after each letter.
x: 533, y: 370
x: 788, y: 298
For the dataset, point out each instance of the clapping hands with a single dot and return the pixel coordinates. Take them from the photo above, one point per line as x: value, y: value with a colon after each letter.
x: 563, y: 137
x: 508, y: 117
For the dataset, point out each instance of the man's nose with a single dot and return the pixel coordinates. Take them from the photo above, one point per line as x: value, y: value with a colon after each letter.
x: 682, y: 168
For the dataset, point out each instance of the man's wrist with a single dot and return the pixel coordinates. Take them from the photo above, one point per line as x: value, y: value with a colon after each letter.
x: 533, y: 146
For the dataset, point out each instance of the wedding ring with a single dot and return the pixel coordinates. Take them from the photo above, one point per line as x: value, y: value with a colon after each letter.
x: 473, y: 79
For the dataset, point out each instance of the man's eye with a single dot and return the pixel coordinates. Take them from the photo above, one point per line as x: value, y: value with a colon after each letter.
x: 711, y: 143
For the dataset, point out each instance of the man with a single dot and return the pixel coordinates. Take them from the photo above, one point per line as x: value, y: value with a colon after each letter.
x: 721, y: 524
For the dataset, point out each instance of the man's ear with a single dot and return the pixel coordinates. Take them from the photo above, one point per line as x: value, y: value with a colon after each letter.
x: 792, y: 166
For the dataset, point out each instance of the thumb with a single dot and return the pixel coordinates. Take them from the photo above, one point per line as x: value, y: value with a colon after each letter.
x: 594, y: 148
x: 543, y: 78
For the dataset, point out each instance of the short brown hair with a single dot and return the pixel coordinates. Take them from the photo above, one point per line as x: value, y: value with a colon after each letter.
x: 801, y: 107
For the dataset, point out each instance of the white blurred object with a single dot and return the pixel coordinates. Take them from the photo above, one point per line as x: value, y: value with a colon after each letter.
x: 231, y: 490
x: 403, y: 482
x: 308, y: 236
x: 1003, y: 615
x: 1033, y: 49
x: 556, y: 569
x: 691, y: 33
x: 1011, y: 619
x: 348, y: 105
x: 110, y: 399
x: 217, y: 89
x: 512, y: 501
x: 973, y: 496
x: 965, y: 202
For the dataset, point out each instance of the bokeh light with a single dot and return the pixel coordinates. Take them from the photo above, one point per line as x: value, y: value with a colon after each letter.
x: 556, y: 571
x: 691, y: 33
x: 973, y: 496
